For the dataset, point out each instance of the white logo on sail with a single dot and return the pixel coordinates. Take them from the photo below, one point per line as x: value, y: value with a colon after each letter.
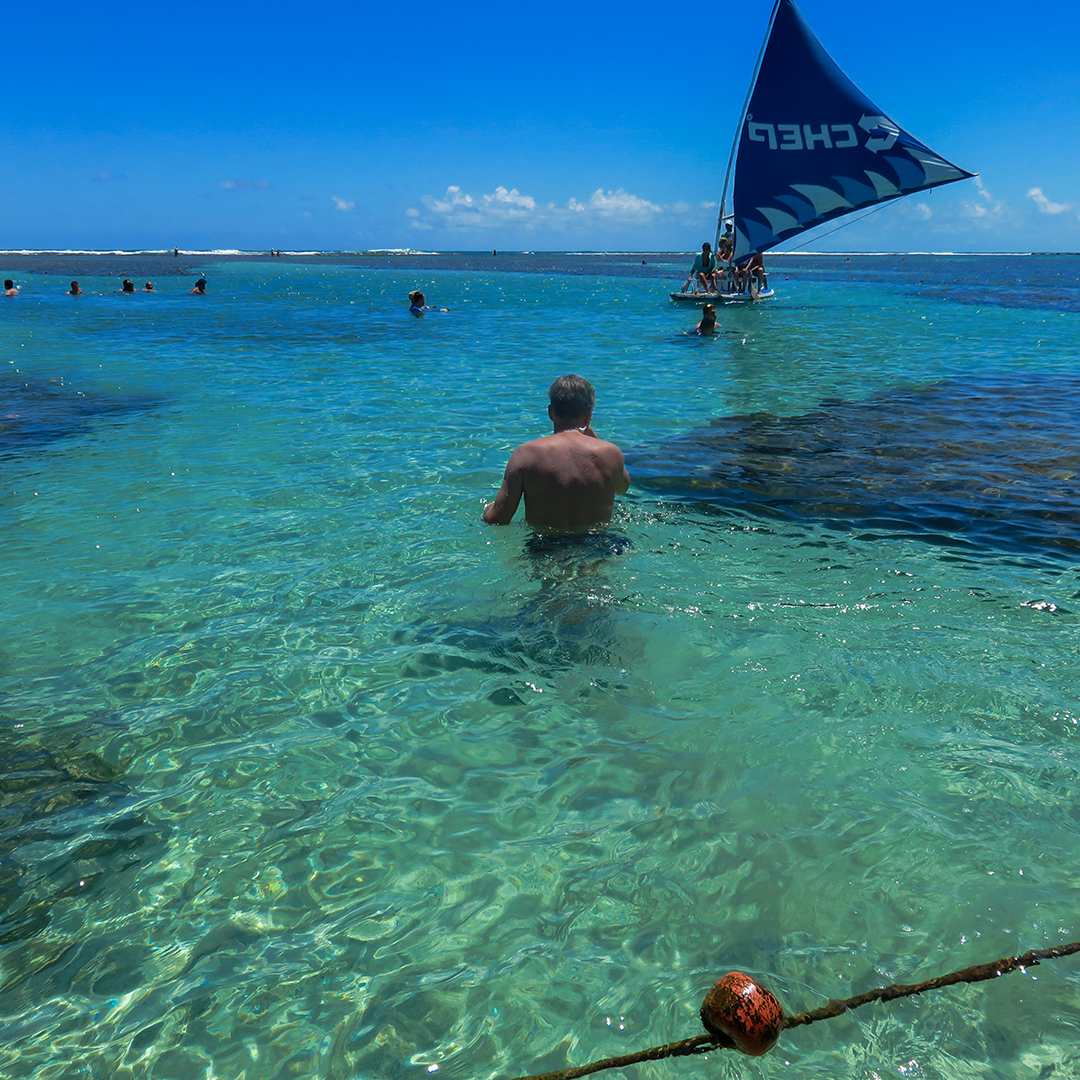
x: 880, y: 123
x: 826, y: 136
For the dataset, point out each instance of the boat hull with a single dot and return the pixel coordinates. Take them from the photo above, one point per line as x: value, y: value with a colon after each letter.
x: 723, y: 298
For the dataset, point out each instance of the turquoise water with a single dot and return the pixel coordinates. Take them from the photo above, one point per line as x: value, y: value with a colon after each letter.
x: 308, y: 773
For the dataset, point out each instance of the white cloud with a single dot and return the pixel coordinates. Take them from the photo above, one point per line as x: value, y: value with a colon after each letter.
x: 990, y: 210
x: 1045, y: 205
x: 243, y: 184
x: 922, y: 211
x: 459, y: 210
x: 618, y: 204
x: 342, y: 204
x: 510, y: 201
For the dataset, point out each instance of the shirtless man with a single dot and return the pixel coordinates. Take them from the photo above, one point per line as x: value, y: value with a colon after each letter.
x: 751, y: 275
x: 569, y: 478
x: 9, y: 288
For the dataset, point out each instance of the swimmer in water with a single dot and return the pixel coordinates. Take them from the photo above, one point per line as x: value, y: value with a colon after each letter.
x: 75, y: 290
x: 127, y: 286
x: 570, y: 478
x: 708, y: 321
x: 9, y: 288
x: 148, y: 287
x: 420, y: 305
x: 200, y: 287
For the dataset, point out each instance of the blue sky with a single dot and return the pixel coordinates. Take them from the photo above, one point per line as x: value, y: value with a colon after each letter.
x: 467, y: 127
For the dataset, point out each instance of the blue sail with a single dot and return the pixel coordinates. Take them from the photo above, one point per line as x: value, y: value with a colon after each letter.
x: 813, y: 147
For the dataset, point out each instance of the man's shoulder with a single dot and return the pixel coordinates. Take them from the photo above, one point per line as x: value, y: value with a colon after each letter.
x: 531, y: 445
x: 610, y: 448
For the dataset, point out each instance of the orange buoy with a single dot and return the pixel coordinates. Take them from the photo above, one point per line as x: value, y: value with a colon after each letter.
x: 741, y: 1009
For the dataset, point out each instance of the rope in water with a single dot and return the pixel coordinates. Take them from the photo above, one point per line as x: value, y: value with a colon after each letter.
x: 702, y: 1044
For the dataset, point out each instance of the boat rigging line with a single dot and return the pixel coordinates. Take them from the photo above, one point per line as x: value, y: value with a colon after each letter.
x: 846, y: 223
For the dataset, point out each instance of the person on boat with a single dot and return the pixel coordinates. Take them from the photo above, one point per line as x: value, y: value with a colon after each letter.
x: 200, y: 287
x: 750, y: 275
x: 704, y: 269
x: 707, y: 325
x: 755, y: 272
x: 420, y: 305
x: 74, y: 290
x: 725, y: 247
x: 570, y: 478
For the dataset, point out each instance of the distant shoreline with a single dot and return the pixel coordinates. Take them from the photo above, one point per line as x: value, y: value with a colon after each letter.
x: 235, y: 254
x: 147, y: 265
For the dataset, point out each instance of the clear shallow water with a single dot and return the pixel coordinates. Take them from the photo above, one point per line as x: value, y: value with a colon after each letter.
x: 306, y: 772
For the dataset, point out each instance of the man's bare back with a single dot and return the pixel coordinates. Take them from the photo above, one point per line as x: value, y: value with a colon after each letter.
x: 569, y: 479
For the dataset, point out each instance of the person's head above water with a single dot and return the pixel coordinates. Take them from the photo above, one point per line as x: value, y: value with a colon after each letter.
x: 708, y: 321
x: 572, y: 398
x: 417, y: 298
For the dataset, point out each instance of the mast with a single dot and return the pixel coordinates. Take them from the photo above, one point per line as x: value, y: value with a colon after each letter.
x: 739, y: 126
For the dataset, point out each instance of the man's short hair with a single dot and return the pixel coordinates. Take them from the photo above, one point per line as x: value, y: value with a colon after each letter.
x: 571, y: 397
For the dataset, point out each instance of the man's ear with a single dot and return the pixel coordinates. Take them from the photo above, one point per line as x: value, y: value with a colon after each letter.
x: 551, y: 414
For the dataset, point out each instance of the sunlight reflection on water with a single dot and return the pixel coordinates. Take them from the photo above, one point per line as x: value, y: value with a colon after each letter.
x: 305, y: 772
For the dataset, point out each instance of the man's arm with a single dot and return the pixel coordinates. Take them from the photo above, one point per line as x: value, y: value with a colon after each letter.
x: 622, y: 480
x: 502, y: 510
x: 622, y: 477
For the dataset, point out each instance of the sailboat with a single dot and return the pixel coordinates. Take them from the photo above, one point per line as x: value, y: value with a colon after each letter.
x: 811, y: 147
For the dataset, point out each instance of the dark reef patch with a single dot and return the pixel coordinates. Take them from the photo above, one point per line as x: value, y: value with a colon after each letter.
x: 993, y: 464
x: 34, y: 412
x: 67, y: 828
